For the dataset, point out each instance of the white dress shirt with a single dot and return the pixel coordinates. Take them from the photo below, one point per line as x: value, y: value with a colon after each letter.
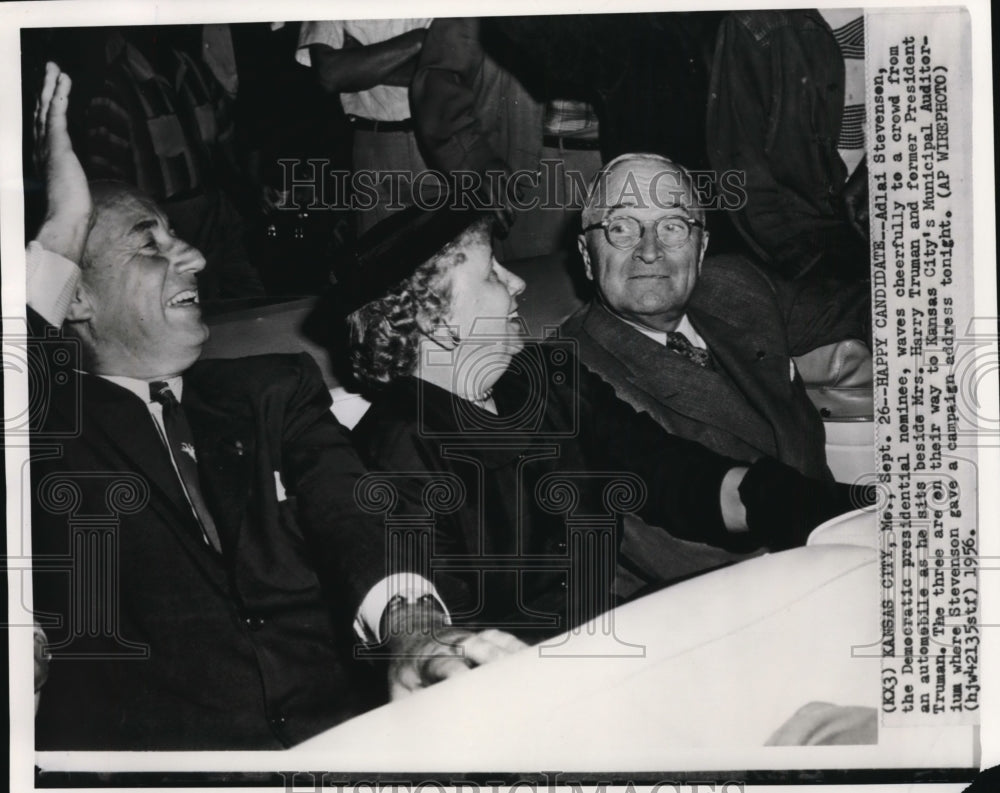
x: 141, y: 389
x: 685, y: 327
x: 660, y: 336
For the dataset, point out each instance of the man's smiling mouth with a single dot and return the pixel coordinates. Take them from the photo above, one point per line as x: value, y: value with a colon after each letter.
x: 185, y: 299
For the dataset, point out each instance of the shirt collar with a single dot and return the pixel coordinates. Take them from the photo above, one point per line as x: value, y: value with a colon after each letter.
x: 660, y: 336
x: 141, y: 387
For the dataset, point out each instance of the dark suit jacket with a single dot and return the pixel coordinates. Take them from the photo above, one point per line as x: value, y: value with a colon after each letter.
x: 157, y: 641
x: 749, y: 406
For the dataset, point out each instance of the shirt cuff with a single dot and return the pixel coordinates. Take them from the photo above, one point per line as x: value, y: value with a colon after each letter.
x: 51, y: 283
x: 409, y: 586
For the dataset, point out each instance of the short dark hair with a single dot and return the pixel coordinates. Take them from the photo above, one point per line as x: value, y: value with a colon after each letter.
x: 385, y: 334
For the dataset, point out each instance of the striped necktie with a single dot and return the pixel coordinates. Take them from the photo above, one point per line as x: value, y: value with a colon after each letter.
x: 181, y: 442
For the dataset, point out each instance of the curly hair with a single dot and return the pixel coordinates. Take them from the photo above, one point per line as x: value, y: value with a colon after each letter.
x: 385, y: 334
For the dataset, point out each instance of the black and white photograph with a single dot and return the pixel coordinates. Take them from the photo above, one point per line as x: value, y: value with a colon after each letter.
x: 562, y: 397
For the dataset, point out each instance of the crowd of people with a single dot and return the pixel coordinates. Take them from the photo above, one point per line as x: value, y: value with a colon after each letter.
x: 250, y: 591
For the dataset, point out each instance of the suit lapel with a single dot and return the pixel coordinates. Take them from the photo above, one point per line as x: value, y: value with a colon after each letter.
x: 641, y: 357
x: 758, y: 372
x: 225, y: 446
x: 705, y: 397
x: 125, y: 422
x: 129, y: 432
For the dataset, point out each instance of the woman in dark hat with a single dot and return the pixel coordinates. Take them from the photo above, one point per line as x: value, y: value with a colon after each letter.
x: 523, y: 461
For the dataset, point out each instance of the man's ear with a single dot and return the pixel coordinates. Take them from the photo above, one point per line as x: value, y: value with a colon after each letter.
x: 581, y: 245
x: 704, y: 247
x: 81, y: 307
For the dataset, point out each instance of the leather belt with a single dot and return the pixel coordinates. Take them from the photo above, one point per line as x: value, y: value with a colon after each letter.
x: 373, y: 125
x: 572, y: 144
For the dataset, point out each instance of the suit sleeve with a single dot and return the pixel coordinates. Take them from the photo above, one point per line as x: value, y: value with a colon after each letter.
x: 683, y: 479
x: 815, y: 309
x: 394, y: 446
x: 321, y: 468
x: 819, y: 309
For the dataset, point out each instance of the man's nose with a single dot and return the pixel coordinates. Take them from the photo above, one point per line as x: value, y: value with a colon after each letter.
x: 648, y: 248
x: 187, y: 258
x: 514, y: 284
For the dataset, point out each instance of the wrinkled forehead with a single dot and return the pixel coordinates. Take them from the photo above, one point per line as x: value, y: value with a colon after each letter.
x: 121, y: 216
x: 644, y: 183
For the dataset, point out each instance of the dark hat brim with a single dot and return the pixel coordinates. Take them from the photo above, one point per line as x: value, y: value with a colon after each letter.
x: 392, y: 250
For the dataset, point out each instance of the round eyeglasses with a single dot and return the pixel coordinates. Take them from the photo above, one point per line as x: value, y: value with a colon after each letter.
x: 624, y: 232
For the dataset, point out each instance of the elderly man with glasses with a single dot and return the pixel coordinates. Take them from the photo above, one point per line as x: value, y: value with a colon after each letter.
x: 705, y: 346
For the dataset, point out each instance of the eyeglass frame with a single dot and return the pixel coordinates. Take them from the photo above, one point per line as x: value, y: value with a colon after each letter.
x: 603, y: 224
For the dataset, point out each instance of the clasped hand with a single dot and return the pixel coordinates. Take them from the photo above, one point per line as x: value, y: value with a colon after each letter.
x: 426, y: 649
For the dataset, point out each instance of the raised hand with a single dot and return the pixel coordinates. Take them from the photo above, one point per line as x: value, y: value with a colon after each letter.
x: 67, y: 216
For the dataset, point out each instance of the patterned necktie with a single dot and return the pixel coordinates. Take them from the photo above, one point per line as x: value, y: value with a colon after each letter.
x: 678, y: 343
x: 181, y: 443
